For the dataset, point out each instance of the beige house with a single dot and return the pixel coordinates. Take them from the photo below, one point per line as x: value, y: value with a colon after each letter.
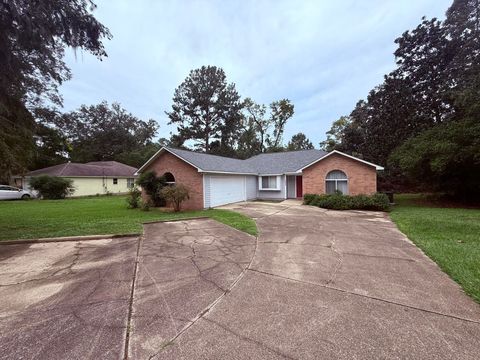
x: 92, y: 178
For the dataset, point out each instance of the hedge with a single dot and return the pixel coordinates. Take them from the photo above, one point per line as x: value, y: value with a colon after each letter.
x: 378, y: 202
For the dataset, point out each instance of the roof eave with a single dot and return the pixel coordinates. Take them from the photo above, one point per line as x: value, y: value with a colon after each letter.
x: 377, y: 167
x: 226, y: 172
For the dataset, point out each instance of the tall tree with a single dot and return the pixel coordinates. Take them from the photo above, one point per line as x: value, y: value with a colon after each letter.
x: 33, y: 35
x: 207, y: 109
x: 299, y: 142
x: 380, y: 124
x: 262, y: 132
x: 281, y: 111
x: 248, y: 143
x: 102, y: 132
x: 336, y: 134
x: 436, y: 60
x: 256, y: 123
x: 51, y: 147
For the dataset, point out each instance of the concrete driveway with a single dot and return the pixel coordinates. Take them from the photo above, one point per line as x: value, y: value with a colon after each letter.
x: 65, y: 300
x: 315, y: 284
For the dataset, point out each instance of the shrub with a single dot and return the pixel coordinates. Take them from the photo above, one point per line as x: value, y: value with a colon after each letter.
x: 308, y: 198
x: 52, y: 187
x: 378, y: 202
x: 146, y: 205
x: 133, y: 198
x: 152, y: 185
x: 175, y: 194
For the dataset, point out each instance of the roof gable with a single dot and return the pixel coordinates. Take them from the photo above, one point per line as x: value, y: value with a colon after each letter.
x: 377, y: 167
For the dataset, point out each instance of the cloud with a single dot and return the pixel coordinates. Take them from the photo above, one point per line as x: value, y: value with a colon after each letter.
x: 324, y: 56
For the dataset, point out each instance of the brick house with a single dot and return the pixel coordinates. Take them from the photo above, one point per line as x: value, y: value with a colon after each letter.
x: 216, y: 180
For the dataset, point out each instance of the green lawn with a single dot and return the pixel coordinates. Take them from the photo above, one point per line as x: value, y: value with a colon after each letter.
x: 449, y: 236
x: 93, y: 216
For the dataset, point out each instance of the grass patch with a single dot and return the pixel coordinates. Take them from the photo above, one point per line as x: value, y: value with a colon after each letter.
x: 94, y: 216
x: 449, y: 236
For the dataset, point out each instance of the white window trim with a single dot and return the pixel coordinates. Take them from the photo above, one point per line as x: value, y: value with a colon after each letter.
x: 277, y: 188
x: 130, y: 183
x: 336, y: 184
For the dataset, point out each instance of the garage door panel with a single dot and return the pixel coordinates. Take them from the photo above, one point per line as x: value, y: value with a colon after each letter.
x: 226, y: 190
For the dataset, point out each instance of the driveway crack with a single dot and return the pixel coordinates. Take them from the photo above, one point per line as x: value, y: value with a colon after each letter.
x: 132, y: 295
x: 366, y: 296
x: 210, y: 307
x: 250, y: 340
x: 339, y: 262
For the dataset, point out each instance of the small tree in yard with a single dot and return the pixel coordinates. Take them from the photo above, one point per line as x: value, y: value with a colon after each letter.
x: 52, y: 187
x: 175, y: 195
x: 152, y: 185
x: 134, y: 198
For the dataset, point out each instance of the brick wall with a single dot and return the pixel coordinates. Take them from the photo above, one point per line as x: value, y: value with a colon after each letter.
x: 362, y: 178
x: 184, y: 174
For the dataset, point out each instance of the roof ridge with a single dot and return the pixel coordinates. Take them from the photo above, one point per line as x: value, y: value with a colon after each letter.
x: 251, y: 157
x: 286, y: 152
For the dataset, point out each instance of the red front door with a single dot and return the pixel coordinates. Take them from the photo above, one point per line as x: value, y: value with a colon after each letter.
x: 299, y: 187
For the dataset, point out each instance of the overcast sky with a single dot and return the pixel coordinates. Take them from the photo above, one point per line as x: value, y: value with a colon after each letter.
x: 322, y: 55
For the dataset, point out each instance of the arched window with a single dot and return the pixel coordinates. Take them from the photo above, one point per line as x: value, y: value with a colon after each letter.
x: 336, y: 181
x: 169, y: 178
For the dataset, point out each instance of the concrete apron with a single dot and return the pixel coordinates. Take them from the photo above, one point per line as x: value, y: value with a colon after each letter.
x: 324, y: 284
x: 315, y: 284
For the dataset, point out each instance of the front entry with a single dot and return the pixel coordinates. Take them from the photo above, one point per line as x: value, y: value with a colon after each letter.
x: 294, y: 187
x: 299, y: 187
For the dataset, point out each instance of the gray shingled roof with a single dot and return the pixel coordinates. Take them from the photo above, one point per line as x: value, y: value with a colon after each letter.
x: 96, y: 168
x: 207, y: 162
x: 271, y: 163
x: 284, y: 162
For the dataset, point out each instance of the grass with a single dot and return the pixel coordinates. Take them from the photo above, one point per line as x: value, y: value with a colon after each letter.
x: 449, y: 236
x: 94, y: 216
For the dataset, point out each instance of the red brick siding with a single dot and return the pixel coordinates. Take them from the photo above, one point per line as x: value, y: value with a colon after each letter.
x: 362, y: 178
x: 184, y: 174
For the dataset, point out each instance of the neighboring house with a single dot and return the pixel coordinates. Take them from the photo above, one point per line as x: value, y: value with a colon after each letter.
x: 216, y: 180
x: 100, y: 177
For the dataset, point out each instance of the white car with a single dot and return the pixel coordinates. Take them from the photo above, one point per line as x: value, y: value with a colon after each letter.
x: 11, y: 193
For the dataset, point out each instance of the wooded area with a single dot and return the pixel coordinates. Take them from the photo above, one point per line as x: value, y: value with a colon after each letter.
x: 422, y: 122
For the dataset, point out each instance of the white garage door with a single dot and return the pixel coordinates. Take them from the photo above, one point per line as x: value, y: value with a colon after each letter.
x: 226, y: 190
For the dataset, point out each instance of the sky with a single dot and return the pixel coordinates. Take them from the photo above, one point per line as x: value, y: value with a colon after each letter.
x: 322, y: 55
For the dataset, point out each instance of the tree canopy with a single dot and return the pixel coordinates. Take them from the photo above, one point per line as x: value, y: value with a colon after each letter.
x: 108, y: 132
x: 33, y: 36
x: 209, y: 111
x: 299, y: 142
x: 262, y: 132
x: 206, y: 109
x: 420, y: 109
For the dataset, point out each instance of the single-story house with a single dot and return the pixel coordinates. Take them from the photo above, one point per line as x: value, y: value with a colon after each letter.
x: 217, y: 180
x: 98, y: 177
